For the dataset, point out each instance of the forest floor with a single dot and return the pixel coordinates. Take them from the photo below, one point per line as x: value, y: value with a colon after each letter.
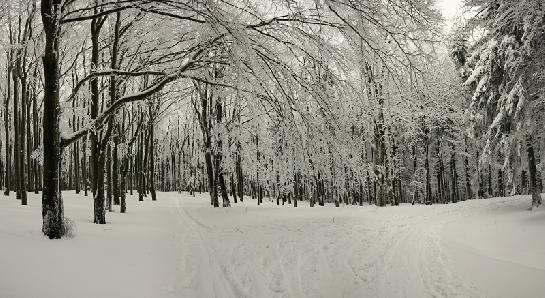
x: 179, y: 246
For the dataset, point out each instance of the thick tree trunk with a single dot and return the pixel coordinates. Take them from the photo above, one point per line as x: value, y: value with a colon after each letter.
x: 52, y: 205
x: 97, y: 153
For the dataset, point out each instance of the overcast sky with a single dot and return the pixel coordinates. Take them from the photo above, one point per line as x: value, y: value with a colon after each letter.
x: 450, y: 10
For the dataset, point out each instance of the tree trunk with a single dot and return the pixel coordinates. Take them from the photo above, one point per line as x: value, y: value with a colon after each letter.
x: 113, y: 98
x: 124, y: 170
x: 16, y: 136
x: 453, y: 175
x: 6, y: 133
x: 99, y: 208
x: 139, y: 168
x: 428, y: 174
x: 240, y: 177
x: 75, y: 123
x: 115, y: 172
x: 97, y: 156
x: 490, y: 188
x: 151, y: 152
x: 52, y: 205
x: 536, y: 196
x: 469, y: 193
x: 108, y: 169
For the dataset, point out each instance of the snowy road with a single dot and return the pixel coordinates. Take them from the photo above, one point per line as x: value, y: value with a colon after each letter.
x: 406, y: 251
x: 180, y: 247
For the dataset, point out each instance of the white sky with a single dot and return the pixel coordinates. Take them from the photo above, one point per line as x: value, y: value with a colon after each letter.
x: 451, y: 9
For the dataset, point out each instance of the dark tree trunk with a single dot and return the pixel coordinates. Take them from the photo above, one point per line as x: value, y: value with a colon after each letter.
x: 115, y: 173
x: 29, y: 178
x: 123, y: 194
x: 97, y: 150
x: 490, y: 188
x: 84, y: 166
x: 6, y: 132
x: 501, y: 188
x: 536, y: 197
x: 113, y: 98
x: 428, y: 174
x: 233, y: 188
x: 139, y: 168
x: 210, y: 175
x: 108, y: 169
x: 440, y: 185
x: 240, y: 177
x: 469, y: 193
x: 151, y: 153
x: 454, y: 175
x: 99, y: 202
x: 52, y: 205
x: 17, y: 136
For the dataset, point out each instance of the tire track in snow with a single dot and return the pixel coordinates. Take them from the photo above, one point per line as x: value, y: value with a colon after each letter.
x: 210, y: 273
x: 383, y: 253
x: 415, y: 263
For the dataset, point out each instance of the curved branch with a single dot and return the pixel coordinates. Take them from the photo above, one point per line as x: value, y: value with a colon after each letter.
x: 102, y: 118
x: 109, y: 72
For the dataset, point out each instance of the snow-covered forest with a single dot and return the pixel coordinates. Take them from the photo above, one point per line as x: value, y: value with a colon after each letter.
x: 272, y: 148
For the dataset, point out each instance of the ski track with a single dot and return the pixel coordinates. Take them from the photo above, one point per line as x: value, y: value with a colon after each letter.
x: 379, y: 254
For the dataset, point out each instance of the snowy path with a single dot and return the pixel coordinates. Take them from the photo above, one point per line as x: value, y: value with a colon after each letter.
x: 281, y: 251
x: 323, y: 252
x: 180, y: 247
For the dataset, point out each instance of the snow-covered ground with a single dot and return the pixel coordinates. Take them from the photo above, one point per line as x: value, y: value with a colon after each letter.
x: 179, y: 246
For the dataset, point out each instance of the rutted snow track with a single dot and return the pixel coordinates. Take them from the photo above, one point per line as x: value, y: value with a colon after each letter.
x: 275, y: 251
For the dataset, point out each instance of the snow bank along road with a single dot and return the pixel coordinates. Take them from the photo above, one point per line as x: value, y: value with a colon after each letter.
x: 181, y: 247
